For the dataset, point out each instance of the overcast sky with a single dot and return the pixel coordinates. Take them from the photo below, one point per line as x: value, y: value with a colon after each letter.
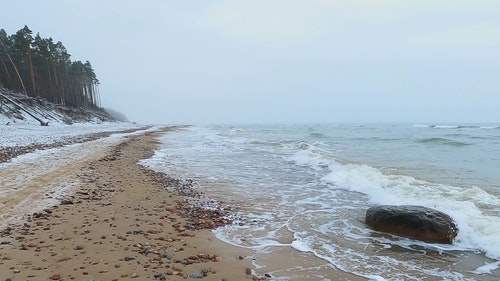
x: 281, y: 61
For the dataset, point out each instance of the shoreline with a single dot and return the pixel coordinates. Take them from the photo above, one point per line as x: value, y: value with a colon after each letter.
x: 115, y: 226
x: 119, y: 222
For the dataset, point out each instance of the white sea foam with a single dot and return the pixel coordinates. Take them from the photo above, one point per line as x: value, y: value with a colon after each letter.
x: 462, y: 126
x: 487, y: 268
x: 301, y: 246
x: 421, y: 126
x: 445, y: 126
x: 319, y: 192
x: 477, y: 230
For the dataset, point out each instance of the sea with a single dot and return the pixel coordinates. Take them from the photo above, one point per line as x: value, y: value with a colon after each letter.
x: 307, y: 188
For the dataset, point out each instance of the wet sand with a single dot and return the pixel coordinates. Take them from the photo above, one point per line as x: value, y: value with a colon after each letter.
x: 120, y: 221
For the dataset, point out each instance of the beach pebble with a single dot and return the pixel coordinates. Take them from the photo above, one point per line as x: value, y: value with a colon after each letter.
x: 196, y: 276
x: 176, y: 269
x: 134, y: 275
x: 248, y: 271
x: 55, y: 277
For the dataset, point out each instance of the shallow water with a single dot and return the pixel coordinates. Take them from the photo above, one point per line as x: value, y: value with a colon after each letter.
x: 308, y: 187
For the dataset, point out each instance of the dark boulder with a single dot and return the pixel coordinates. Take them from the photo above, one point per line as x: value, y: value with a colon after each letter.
x: 415, y: 222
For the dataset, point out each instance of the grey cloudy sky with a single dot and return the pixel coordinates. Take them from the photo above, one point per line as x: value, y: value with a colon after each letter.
x: 281, y: 61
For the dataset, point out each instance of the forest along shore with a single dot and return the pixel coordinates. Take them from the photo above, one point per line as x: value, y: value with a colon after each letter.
x: 121, y: 222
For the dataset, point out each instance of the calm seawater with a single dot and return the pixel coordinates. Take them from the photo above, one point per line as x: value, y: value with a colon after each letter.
x: 309, y: 186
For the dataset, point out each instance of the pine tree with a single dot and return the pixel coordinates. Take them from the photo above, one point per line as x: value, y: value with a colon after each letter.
x: 46, y: 69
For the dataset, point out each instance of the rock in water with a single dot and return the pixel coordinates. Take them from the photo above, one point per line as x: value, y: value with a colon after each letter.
x: 415, y: 222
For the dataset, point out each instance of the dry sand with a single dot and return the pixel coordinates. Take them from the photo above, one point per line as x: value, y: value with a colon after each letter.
x: 120, y: 223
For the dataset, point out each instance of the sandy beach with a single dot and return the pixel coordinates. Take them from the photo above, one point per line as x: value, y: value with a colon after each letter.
x: 122, y: 221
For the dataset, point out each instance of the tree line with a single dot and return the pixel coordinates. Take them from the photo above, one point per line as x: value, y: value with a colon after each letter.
x: 40, y: 67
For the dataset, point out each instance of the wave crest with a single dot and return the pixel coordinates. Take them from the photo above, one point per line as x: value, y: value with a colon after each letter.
x: 443, y: 141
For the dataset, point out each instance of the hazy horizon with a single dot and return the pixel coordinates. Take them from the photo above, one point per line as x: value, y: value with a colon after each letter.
x: 212, y: 62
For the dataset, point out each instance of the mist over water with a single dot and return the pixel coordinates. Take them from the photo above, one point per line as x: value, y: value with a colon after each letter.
x: 308, y: 187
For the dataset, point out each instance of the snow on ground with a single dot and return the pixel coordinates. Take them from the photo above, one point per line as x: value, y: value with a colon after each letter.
x: 4, y: 119
x: 16, y: 134
x: 34, y: 181
x: 46, y: 168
